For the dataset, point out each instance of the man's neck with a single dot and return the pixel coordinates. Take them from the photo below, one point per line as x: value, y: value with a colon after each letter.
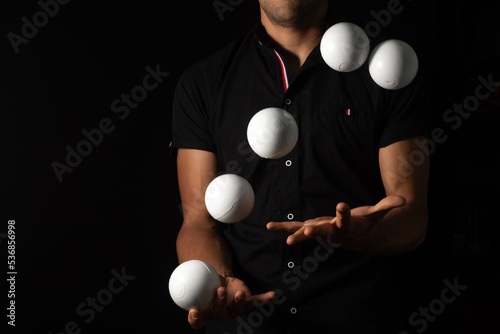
x: 295, y: 43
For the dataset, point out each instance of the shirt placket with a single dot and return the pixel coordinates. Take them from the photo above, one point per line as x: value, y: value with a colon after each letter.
x: 290, y: 210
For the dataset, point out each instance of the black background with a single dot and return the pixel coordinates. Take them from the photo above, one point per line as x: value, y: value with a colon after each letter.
x: 119, y: 208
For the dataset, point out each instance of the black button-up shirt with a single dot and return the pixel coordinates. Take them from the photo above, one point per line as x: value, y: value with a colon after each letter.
x: 343, y: 119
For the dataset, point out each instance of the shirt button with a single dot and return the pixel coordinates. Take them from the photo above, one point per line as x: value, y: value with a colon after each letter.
x: 291, y: 264
x: 290, y: 216
x: 288, y: 163
x: 288, y: 102
x: 293, y: 310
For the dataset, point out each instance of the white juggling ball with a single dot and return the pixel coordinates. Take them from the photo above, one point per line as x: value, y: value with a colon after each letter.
x: 272, y: 133
x: 229, y: 198
x: 193, y: 284
x: 345, y: 47
x: 393, y: 64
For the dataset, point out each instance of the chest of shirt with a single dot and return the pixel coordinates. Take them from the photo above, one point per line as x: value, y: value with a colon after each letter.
x: 335, y: 112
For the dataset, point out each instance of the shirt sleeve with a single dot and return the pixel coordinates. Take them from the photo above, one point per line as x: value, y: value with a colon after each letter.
x: 408, y: 113
x: 191, y: 113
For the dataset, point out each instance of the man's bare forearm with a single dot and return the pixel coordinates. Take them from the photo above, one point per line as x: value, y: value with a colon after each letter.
x: 203, y: 243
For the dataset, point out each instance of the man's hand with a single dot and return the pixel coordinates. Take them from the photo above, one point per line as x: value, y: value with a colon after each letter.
x: 232, y: 299
x: 346, y: 225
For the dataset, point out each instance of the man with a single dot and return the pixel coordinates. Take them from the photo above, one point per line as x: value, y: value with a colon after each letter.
x: 279, y: 269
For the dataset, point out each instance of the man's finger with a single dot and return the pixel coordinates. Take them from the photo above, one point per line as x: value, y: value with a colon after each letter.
x: 297, y: 237
x: 291, y: 226
x: 319, y: 231
x: 238, y: 305
x: 260, y: 299
x: 220, y: 304
x: 195, y: 319
x: 343, y: 215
